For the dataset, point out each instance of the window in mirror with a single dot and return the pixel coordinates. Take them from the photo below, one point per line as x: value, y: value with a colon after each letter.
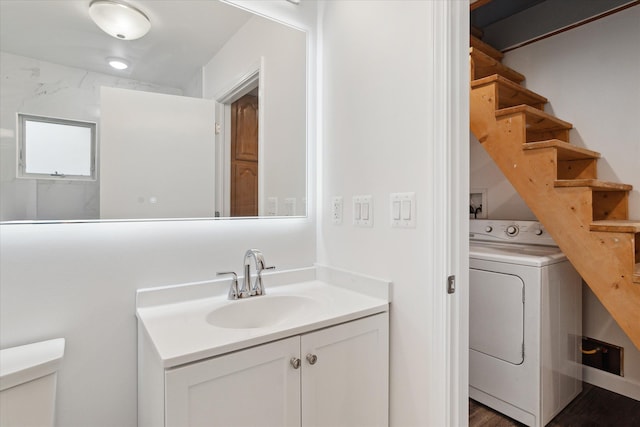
x: 51, y: 148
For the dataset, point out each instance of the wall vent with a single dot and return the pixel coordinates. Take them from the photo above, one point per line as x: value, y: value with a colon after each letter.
x: 603, y: 356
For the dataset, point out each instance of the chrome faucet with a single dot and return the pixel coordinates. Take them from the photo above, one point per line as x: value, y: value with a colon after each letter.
x: 258, y: 287
x: 247, y: 290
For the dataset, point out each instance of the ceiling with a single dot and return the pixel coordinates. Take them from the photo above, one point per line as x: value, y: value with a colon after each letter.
x: 497, y: 10
x: 184, y: 35
x: 506, y: 24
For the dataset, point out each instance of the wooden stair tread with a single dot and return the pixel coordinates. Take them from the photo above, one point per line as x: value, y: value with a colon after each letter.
x: 537, y: 120
x: 510, y: 93
x: 593, y: 184
x: 616, y: 226
x: 565, y: 150
x: 478, y: 3
x: 485, y: 65
x: 487, y: 49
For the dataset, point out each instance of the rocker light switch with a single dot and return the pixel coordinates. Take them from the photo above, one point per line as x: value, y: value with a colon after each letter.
x: 403, y: 210
x: 290, y: 206
x: 363, y: 211
x: 395, y: 209
x: 407, y: 204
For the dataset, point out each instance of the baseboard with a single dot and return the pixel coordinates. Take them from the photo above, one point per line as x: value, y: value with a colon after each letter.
x: 611, y: 382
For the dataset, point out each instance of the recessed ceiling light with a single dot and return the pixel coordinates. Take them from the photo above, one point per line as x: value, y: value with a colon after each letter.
x: 118, y: 63
x: 119, y: 20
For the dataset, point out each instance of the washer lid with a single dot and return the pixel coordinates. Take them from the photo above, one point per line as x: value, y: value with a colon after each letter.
x: 513, y: 253
x: 29, y: 362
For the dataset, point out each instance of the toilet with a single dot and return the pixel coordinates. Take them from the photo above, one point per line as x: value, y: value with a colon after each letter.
x: 28, y: 383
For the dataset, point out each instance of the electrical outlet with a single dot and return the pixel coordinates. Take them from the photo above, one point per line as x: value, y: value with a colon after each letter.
x: 336, y: 210
x: 272, y: 206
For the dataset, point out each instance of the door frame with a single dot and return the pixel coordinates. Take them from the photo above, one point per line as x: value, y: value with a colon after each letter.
x: 252, y: 78
x: 450, y: 311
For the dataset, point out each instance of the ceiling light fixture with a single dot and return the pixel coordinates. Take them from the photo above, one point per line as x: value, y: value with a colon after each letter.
x: 119, y: 20
x: 118, y: 63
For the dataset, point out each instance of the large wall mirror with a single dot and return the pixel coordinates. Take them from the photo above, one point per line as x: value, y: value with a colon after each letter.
x: 207, y: 120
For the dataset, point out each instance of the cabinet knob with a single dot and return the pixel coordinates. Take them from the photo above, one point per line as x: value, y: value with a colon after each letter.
x: 295, y: 362
x: 312, y: 359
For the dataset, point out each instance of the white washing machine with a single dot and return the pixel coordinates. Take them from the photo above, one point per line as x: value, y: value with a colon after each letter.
x: 525, y: 321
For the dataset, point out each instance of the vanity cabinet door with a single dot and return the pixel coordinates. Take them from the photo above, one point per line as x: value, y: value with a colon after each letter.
x: 253, y: 387
x: 347, y: 382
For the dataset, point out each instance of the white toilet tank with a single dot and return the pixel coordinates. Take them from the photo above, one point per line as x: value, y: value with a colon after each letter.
x: 28, y: 383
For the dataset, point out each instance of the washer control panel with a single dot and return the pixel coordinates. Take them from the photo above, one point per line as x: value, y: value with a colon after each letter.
x: 526, y: 232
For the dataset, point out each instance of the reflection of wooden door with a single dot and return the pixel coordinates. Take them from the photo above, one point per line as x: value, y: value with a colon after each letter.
x: 244, y: 156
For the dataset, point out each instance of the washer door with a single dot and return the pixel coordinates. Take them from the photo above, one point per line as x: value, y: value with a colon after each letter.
x: 496, y: 315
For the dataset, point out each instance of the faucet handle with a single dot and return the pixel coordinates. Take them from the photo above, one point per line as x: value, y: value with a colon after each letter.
x: 258, y: 288
x: 233, y: 290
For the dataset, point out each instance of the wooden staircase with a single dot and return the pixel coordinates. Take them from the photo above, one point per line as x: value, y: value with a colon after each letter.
x: 588, y: 218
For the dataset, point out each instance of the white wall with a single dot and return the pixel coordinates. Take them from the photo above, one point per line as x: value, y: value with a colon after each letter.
x: 381, y: 134
x: 590, y: 76
x: 503, y: 202
x: 78, y: 281
x: 37, y: 87
x: 282, y: 50
x: 156, y: 155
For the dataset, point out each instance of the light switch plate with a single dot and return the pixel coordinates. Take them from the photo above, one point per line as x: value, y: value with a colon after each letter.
x: 272, y: 206
x: 290, y: 206
x: 363, y: 211
x: 402, y: 207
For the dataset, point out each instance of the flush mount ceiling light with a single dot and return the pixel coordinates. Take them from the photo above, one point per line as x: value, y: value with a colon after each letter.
x: 119, y: 20
x: 118, y: 63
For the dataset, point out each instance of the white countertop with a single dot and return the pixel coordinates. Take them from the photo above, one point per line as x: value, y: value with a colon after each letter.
x: 181, y: 333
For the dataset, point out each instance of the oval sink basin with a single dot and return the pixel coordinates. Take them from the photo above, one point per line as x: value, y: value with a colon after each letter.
x: 261, y: 311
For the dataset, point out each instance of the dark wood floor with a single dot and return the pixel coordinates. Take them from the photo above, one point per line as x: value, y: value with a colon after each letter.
x: 594, y: 407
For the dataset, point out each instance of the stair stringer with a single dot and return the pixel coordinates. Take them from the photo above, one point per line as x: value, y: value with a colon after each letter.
x: 602, y: 259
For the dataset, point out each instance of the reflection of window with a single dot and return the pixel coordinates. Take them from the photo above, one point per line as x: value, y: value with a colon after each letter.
x: 56, y: 148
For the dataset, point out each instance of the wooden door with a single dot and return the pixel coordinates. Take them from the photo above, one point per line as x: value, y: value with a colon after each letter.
x: 244, y: 156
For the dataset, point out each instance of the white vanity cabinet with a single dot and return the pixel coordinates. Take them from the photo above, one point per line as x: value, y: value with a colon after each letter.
x: 342, y: 379
x: 252, y: 387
